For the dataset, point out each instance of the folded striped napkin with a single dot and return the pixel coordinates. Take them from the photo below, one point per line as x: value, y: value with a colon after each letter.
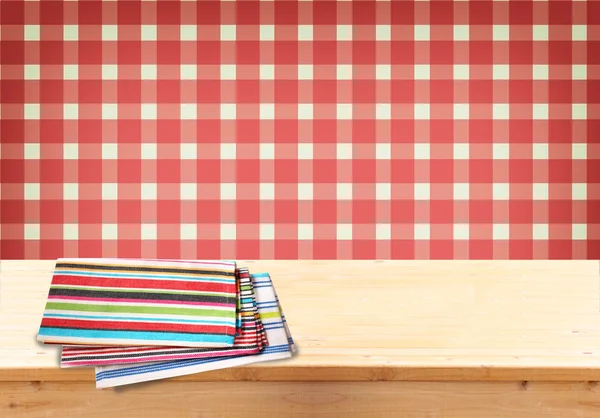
x: 250, y: 340
x: 127, y: 302
x: 281, y: 346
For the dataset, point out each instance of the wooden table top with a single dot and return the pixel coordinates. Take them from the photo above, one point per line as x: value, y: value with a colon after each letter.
x: 378, y: 320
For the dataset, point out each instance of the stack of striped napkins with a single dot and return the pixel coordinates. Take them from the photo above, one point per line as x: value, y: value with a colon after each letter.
x: 142, y: 320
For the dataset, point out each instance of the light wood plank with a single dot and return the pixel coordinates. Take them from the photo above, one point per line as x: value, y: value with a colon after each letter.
x: 379, y: 320
x: 266, y: 399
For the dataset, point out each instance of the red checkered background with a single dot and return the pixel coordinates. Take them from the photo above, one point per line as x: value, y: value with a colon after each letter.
x: 300, y: 129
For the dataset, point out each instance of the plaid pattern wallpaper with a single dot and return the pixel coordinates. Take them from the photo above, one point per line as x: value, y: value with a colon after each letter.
x: 300, y: 129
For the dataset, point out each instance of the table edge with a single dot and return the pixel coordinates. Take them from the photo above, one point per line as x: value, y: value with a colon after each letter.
x: 253, y: 373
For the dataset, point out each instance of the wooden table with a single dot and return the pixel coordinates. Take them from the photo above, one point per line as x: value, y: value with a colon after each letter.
x: 376, y: 338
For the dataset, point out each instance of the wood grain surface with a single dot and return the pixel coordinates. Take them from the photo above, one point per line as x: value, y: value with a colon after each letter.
x: 464, y: 339
x: 379, y: 320
x: 290, y: 399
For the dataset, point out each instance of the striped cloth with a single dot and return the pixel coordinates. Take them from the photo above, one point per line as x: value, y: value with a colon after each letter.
x: 141, y: 302
x: 286, y: 327
x: 280, y: 347
x: 250, y: 341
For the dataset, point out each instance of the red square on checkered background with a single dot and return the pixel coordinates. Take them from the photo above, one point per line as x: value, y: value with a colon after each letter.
x: 300, y: 129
